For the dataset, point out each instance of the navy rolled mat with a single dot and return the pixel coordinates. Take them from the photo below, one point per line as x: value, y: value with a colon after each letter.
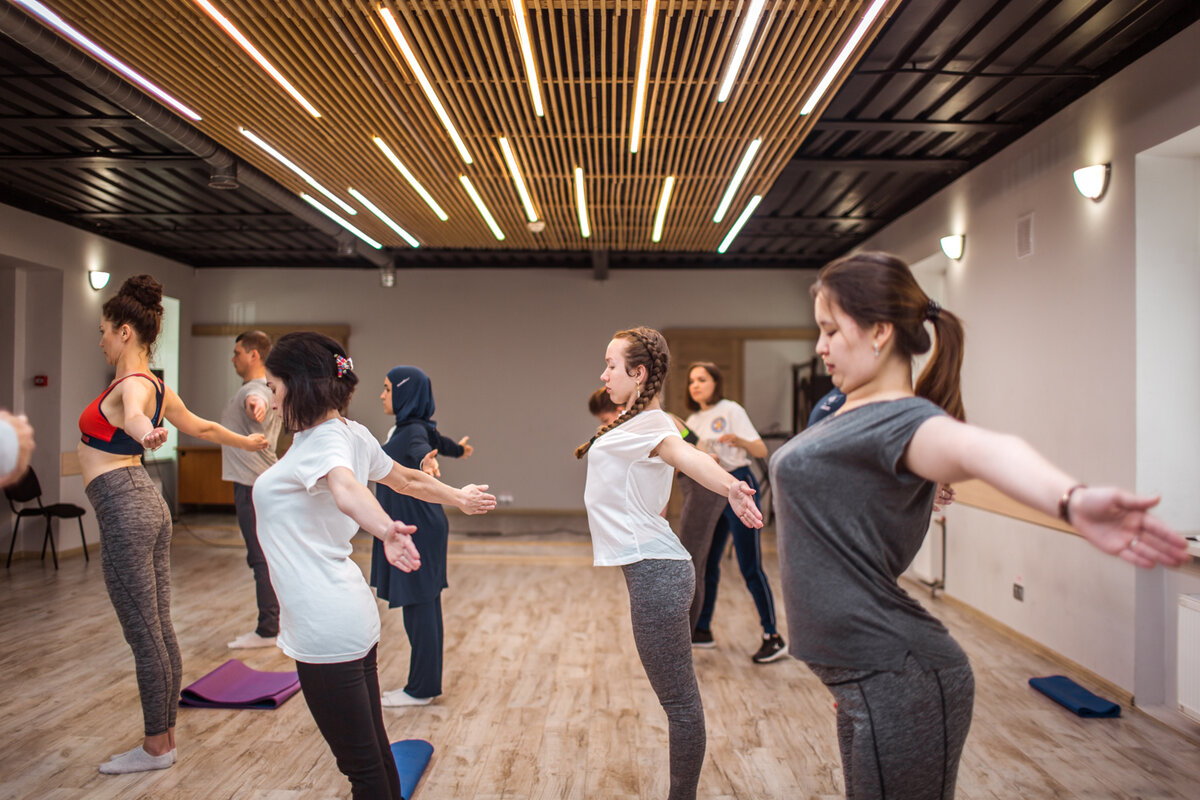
x: 1070, y: 694
x: 412, y: 756
x: 234, y: 685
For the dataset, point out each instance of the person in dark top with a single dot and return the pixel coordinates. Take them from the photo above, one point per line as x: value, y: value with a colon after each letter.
x: 853, y: 497
x: 416, y: 443
x: 828, y: 404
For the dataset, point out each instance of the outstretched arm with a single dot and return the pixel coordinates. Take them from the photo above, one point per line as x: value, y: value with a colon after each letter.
x: 701, y: 468
x: 471, y: 499
x: 356, y: 501
x: 1117, y: 522
x: 187, y: 422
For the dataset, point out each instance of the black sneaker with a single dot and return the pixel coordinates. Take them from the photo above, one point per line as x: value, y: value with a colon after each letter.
x: 702, y: 638
x: 772, y: 648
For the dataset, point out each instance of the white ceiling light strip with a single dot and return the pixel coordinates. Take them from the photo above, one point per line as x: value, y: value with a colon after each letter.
x: 515, y: 171
x: 282, y: 159
x: 737, y: 226
x: 312, y: 201
x: 483, y: 209
x: 53, y: 20
x: 426, y: 86
x: 535, y: 90
x: 581, y: 204
x: 639, y: 92
x: 374, y: 209
x: 738, y: 176
x: 745, y: 35
x: 412, y: 180
x: 661, y: 215
x: 237, y: 36
x: 840, y: 61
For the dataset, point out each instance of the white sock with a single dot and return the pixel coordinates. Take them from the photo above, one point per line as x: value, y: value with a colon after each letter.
x: 139, y: 747
x: 137, y: 760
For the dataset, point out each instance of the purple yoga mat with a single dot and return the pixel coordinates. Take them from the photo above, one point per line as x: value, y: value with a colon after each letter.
x: 234, y: 685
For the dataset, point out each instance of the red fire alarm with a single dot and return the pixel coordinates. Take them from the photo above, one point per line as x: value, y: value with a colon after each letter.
x: 41, y: 380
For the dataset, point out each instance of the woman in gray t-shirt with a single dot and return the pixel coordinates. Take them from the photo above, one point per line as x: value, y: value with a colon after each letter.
x: 853, y: 499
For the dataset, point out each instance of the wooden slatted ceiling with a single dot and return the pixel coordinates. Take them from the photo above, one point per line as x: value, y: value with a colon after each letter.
x: 339, y: 55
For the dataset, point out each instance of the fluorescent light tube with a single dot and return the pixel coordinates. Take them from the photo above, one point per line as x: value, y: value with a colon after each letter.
x: 57, y: 22
x: 282, y: 159
x: 515, y: 171
x: 581, y: 202
x: 478, y: 201
x: 663, y: 200
x: 426, y: 86
x: 412, y: 180
x: 738, y: 176
x: 840, y: 61
x: 535, y: 90
x: 639, y: 92
x: 737, y: 226
x: 237, y: 36
x: 739, y: 51
x: 312, y: 201
x: 374, y: 209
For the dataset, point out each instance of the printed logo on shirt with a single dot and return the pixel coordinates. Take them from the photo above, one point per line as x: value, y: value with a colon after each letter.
x: 718, y: 425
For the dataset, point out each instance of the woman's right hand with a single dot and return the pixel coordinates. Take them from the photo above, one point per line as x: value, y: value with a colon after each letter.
x: 1119, y: 523
x: 155, y: 439
x: 475, y: 500
x: 399, y: 549
x: 741, y: 500
x: 254, y: 442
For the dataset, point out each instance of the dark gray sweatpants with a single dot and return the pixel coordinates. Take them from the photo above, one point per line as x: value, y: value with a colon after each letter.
x: 901, y: 733
x: 135, y: 549
x: 660, y: 596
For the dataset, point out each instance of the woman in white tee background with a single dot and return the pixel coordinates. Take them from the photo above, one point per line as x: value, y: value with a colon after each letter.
x: 725, y: 431
x: 309, y: 505
x: 630, y: 465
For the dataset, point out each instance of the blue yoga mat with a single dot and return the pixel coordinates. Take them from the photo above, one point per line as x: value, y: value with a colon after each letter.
x: 412, y: 756
x: 1070, y: 694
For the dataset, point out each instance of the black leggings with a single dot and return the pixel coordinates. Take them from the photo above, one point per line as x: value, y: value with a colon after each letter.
x: 344, y: 701
x: 135, y: 557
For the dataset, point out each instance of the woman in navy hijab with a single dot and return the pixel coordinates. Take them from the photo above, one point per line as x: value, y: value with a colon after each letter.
x: 416, y: 443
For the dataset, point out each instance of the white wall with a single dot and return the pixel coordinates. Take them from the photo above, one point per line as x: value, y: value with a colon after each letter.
x: 1052, y: 353
x: 513, y: 354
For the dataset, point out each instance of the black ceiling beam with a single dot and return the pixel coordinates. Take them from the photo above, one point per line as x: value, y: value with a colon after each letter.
x: 14, y: 122
x: 100, y: 162
x: 917, y: 126
x: 880, y: 164
x: 140, y: 216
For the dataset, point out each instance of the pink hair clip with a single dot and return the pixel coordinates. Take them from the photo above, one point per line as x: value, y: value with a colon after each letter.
x: 344, y: 365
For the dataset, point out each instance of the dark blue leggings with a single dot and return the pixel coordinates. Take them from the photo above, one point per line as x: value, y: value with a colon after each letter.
x: 748, y: 547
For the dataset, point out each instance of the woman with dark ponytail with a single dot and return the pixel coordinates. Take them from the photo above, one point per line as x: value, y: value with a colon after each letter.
x: 853, y: 498
x: 630, y: 465
x: 135, y: 524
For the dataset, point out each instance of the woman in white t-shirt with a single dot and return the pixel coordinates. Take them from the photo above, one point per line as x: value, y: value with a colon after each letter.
x: 309, y: 505
x: 725, y: 430
x: 630, y: 465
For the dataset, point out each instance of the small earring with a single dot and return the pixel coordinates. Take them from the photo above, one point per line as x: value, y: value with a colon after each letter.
x: 877, y: 351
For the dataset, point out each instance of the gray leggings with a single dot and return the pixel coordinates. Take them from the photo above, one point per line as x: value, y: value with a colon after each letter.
x: 660, y: 595
x: 901, y: 733
x: 135, y: 549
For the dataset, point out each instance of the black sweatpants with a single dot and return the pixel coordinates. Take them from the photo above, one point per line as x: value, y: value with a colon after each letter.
x: 268, y: 605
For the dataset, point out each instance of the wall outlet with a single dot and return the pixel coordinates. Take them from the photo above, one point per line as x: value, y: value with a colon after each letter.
x: 504, y: 499
x: 1018, y: 592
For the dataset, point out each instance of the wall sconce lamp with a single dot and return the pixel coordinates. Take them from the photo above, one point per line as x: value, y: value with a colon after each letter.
x: 1092, y: 181
x: 952, y: 246
x: 98, y: 279
x: 387, y: 276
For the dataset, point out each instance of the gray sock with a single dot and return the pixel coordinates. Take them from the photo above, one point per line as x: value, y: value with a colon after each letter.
x: 137, y: 760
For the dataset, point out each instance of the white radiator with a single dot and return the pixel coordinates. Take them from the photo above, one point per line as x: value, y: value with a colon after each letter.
x: 1189, y: 655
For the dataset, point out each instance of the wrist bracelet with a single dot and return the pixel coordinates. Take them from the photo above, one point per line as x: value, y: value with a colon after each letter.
x: 1064, y: 503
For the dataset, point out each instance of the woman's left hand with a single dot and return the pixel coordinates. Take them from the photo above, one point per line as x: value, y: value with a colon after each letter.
x: 731, y: 438
x: 399, y: 549
x: 475, y: 500
x: 1119, y: 523
x: 467, y: 449
x: 429, y: 464
x: 741, y: 500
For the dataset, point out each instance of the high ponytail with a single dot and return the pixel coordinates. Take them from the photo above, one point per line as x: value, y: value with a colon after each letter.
x: 879, y: 287
x: 645, y: 347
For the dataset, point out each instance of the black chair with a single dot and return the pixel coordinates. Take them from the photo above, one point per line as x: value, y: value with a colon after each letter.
x: 28, y: 490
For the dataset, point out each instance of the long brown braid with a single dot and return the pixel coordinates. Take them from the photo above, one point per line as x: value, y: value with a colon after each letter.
x: 647, y: 348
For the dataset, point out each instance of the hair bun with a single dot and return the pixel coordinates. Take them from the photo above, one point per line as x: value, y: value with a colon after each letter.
x: 146, y: 290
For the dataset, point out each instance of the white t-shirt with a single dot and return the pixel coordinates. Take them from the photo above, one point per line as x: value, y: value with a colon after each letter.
x: 625, y: 491
x: 327, y: 613
x: 724, y: 417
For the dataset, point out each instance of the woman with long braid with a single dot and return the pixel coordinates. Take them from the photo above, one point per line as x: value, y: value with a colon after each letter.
x: 630, y: 466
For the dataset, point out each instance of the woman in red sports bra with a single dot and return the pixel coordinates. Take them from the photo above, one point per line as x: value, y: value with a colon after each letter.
x: 135, y: 523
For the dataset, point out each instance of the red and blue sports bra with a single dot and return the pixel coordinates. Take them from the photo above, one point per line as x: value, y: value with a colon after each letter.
x: 99, y: 433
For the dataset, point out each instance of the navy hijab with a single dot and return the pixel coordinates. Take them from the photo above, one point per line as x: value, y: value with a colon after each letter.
x: 412, y: 397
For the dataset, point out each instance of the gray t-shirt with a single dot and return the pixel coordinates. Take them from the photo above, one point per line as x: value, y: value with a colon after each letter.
x: 850, y: 520
x: 241, y: 466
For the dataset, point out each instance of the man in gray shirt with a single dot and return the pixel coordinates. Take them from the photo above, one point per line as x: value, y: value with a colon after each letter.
x: 248, y: 412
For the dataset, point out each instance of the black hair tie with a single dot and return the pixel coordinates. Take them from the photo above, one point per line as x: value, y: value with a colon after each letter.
x: 932, y: 310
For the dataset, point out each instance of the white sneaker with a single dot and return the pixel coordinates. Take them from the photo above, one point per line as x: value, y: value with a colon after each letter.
x: 248, y: 641
x: 398, y: 698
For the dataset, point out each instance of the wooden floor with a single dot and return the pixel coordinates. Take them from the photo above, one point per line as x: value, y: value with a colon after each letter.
x: 545, y: 697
